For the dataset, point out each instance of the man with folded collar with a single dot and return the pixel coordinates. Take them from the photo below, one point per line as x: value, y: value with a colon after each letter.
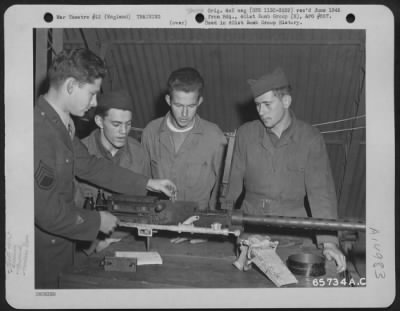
x: 279, y: 160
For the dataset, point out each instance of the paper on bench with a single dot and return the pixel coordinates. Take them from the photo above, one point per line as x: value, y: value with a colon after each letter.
x: 143, y: 258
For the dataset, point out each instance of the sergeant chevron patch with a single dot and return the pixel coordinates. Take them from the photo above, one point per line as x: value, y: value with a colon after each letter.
x: 44, y: 176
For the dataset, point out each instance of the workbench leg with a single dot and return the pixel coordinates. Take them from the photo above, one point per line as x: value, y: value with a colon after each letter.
x: 148, y: 243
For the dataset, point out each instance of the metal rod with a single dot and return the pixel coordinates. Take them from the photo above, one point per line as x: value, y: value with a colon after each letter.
x: 299, y: 222
x: 180, y: 228
x: 148, y: 241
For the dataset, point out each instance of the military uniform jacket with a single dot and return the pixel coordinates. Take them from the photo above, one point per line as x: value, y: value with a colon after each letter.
x: 57, y: 159
x: 131, y: 156
x: 195, y: 168
x: 277, y: 178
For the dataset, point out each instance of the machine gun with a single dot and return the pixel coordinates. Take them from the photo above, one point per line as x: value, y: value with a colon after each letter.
x: 149, y: 215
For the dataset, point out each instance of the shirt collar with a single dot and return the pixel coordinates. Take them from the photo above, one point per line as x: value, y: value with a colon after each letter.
x: 52, y: 112
x: 104, y: 152
x: 65, y: 117
x: 289, y: 132
x: 197, y: 129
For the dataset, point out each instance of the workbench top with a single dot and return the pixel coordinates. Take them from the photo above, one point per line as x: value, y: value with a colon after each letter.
x: 185, y: 265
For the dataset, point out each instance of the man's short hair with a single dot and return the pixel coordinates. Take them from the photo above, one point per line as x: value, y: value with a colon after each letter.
x: 81, y: 64
x: 282, y: 91
x: 187, y: 80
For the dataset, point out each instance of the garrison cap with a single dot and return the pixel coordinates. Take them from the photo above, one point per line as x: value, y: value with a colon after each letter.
x: 116, y: 99
x: 268, y: 82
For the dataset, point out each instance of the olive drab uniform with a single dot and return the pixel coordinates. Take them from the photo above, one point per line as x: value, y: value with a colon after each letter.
x: 196, y: 167
x: 277, y: 175
x: 57, y: 159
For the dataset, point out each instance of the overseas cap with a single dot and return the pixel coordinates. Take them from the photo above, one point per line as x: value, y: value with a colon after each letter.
x: 268, y: 82
x: 117, y: 99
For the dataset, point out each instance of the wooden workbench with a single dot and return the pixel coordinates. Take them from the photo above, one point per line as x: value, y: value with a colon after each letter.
x: 185, y: 265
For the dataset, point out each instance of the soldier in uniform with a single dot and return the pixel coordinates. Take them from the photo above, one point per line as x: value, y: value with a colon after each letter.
x: 184, y: 147
x: 111, y: 140
x: 74, y: 80
x: 279, y: 160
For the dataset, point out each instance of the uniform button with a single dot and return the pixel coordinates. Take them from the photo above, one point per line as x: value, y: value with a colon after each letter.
x: 42, y: 113
x: 53, y: 241
x: 66, y: 160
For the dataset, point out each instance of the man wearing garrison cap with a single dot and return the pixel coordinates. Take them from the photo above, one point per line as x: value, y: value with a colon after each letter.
x: 111, y: 140
x: 280, y: 160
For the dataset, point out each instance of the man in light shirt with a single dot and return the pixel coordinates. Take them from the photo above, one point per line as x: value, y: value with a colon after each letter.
x: 183, y: 147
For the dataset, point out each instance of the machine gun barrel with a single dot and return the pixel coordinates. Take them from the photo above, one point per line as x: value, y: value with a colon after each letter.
x: 298, y: 222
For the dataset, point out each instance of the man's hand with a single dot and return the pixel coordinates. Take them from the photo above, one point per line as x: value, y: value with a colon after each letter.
x: 108, y: 222
x: 162, y: 185
x: 331, y: 251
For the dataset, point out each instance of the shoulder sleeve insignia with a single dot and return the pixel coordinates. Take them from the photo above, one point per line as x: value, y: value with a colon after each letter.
x: 44, y: 176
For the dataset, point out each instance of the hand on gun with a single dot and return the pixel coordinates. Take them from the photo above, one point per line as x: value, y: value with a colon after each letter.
x: 162, y: 185
x: 108, y: 222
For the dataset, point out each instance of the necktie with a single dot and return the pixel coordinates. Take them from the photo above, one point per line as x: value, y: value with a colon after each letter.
x: 71, y: 129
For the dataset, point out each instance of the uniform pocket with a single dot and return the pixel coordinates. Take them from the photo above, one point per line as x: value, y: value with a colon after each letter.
x: 295, y: 167
x: 195, y: 173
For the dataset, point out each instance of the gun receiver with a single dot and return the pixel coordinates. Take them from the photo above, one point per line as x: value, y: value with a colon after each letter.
x: 148, y: 214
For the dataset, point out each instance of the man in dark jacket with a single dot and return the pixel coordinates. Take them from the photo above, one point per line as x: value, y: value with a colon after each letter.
x: 75, y: 78
x: 111, y: 140
x: 280, y: 159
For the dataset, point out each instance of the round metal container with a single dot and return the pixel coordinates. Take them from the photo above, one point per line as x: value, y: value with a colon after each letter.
x: 306, y: 264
